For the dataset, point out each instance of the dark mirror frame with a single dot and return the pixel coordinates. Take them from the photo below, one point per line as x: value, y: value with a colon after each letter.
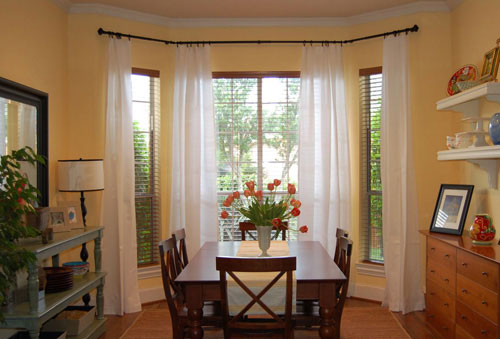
x: 18, y: 92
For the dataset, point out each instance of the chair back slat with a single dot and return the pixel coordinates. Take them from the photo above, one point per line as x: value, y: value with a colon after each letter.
x: 246, y: 227
x: 340, y: 233
x: 345, y: 246
x: 281, y: 265
x: 181, y: 256
x: 168, y: 274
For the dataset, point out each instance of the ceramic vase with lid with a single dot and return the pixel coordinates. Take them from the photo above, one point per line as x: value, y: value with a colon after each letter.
x: 482, y: 231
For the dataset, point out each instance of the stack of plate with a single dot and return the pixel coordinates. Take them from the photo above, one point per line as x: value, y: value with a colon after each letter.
x: 78, y: 267
x: 58, y: 279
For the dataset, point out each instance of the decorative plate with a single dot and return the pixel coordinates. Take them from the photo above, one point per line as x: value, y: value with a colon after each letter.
x: 465, y: 73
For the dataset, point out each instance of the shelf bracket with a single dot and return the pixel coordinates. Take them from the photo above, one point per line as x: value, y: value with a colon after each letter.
x: 491, y: 167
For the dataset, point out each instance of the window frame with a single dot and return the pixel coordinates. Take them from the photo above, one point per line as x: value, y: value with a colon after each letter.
x: 151, y: 269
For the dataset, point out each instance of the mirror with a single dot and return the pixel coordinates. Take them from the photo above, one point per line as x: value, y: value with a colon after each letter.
x: 24, y: 122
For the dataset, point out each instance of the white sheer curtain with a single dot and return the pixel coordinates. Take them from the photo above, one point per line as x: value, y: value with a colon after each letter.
x: 324, y: 173
x: 399, y: 198
x: 118, y: 201
x: 3, y: 126
x: 194, y: 171
x: 26, y: 125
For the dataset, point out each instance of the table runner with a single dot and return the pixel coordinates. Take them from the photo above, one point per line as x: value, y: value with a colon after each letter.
x: 275, y: 297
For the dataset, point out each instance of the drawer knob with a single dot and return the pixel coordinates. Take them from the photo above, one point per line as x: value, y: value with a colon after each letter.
x: 432, y: 271
x: 446, y: 304
x: 432, y: 293
x: 464, y: 264
x: 445, y: 328
x: 433, y: 248
x: 483, y: 332
x: 431, y: 316
x: 463, y: 317
x: 484, y: 273
x: 464, y: 290
x: 446, y: 279
x: 484, y: 302
x: 446, y: 255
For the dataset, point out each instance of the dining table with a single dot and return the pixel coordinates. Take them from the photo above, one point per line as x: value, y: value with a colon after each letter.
x: 316, y: 278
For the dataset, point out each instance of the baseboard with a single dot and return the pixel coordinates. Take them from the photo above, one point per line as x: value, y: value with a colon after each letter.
x: 366, y: 292
x: 151, y: 294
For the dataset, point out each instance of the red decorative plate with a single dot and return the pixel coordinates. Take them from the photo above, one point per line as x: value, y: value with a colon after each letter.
x: 465, y: 73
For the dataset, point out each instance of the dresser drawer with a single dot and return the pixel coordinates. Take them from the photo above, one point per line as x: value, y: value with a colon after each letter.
x: 461, y: 333
x: 442, y: 255
x: 443, y: 278
x: 473, y: 323
x: 444, y: 326
x: 478, y: 269
x: 440, y: 300
x: 477, y: 297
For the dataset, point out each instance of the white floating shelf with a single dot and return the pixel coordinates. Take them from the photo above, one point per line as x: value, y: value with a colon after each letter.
x: 467, y: 101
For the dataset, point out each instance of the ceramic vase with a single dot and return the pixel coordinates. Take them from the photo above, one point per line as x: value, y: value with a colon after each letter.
x: 482, y: 231
x: 264, y: 239
x: 494, y: 128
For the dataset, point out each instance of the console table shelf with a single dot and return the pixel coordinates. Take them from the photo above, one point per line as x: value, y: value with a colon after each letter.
x: 33, y: 313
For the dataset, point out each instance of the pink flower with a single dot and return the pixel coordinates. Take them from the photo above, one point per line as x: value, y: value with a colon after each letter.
x: 295, y: 212
x: 303, y: 229
x: 291, y: 189
x: 276, y: 222
x: 224, y: 215
x: 236, y: 194
x: 250, y: 185
x: 277, y: 182
x: 270, y: 186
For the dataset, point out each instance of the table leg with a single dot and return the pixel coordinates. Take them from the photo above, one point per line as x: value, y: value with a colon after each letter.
x: 194, y: 302
x: 327, y: 299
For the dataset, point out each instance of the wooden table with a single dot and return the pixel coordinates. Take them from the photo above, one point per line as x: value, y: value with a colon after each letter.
x: 316, y: 276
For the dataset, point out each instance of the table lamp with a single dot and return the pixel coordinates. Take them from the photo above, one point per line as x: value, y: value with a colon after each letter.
x: 83, y: 175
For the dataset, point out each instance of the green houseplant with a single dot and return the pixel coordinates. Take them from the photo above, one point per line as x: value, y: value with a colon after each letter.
x: 17, y: 196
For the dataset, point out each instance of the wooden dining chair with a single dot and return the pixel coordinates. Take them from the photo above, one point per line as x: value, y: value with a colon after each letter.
x: 178, y: 312
x: 181, y: 256
x: 340, y: 233
x: 308, y: 315
x: 246, y: 227
x: 240, y: 324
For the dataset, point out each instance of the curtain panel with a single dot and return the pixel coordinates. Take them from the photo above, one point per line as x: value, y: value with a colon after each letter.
x: 324, y: 161
x: 399, y: 192
x: 118, y: 201
x: 194, y: 171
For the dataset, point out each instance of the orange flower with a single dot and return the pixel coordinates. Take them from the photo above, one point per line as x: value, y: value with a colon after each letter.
x: 276, y: 222
x: 270, y: 186
x: 246, y: 193
x: 259, y: 194
x: 250, y: 185
x: 291, y: 189
x: 230, y: 198
x: 277, y: 182
x: 303, y: 229
x: 292, y: 201
x: 295, y: 212
x: 226, y: 203
x: 236, y: 194
x: 297, y: 203
x: 224, y: 215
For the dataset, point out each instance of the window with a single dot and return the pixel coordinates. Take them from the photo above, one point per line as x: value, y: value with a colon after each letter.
x: 146, y: 120
x: 257, y: 135
x: 370, y: 83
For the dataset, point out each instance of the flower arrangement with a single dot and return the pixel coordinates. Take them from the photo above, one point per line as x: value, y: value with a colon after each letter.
x: 268, y: 211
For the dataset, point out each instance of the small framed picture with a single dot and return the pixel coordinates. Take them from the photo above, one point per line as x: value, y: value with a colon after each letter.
x: 73, y: 213
x: 490, y: 65
x: 56, y: 219
x: 451, y: 209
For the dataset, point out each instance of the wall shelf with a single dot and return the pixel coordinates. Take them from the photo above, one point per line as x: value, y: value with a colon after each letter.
x: 467, y: 102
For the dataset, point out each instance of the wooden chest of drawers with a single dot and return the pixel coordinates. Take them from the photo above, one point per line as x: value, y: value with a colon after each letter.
x: 462, y: 287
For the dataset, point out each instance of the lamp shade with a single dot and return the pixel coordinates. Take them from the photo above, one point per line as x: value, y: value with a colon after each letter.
x: 80, y: 175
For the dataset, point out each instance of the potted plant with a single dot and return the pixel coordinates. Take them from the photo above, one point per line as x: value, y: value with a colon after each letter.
x: 17, y: 196
x: 265, y: 212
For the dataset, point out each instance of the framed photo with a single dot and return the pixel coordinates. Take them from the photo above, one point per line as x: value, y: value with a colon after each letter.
x: 451, y: 209
x: 490, y: 65
x: 56, y: 219
x: 73, y: 213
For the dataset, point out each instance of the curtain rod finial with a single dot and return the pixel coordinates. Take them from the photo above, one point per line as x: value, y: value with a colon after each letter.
x: 415, y: 28
x: 100, y: 31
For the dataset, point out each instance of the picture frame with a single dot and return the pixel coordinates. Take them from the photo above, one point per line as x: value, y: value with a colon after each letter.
x: 451, y: 209
x: 73, y: 214
x: 56, y: 219
x: 490, y: 65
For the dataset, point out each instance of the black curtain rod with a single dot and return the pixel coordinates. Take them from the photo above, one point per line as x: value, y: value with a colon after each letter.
x: 323, y: 42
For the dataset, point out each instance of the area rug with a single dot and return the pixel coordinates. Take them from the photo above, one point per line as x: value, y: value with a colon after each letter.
x: 357, y: 322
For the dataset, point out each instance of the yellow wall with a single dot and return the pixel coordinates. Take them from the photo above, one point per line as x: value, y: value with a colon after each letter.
x: 64, y: 56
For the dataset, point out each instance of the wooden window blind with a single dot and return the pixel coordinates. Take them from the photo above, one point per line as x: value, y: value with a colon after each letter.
x: 146, y: 123
x: 257, y: 135
x: 370, y: 85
